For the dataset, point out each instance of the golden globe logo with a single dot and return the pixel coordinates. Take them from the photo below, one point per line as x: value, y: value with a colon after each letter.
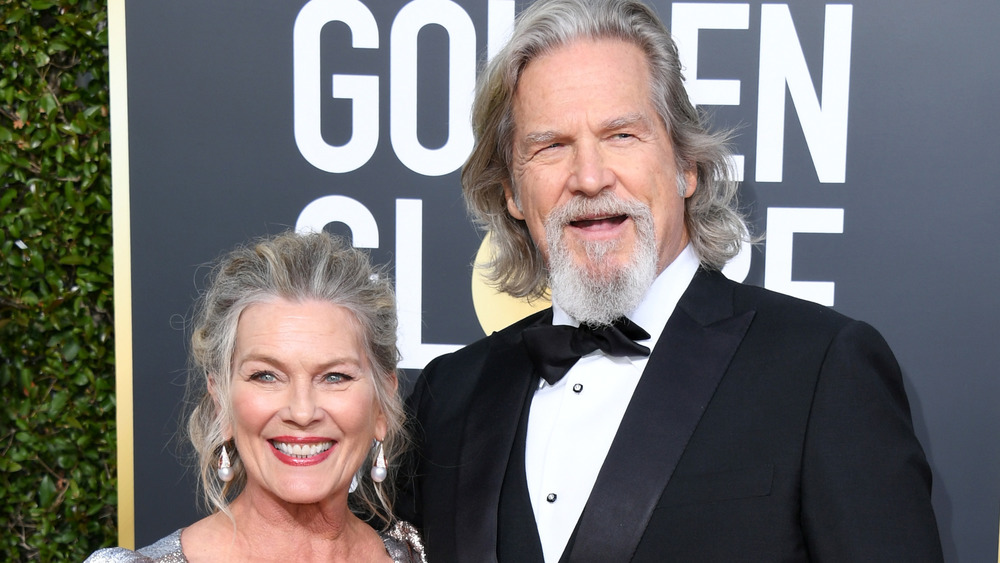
x: 496, y: 310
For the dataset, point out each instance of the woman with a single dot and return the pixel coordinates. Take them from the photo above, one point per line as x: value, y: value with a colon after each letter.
x: 298, y: 415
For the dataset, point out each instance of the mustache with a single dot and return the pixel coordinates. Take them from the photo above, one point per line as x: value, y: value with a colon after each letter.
x: 605, y: 204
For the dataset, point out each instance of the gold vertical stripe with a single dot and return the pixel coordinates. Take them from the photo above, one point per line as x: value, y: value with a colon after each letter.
x: 121, y: 232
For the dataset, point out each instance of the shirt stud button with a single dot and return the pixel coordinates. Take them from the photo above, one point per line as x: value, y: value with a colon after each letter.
x: 577, y: 388
x: 551, y: 497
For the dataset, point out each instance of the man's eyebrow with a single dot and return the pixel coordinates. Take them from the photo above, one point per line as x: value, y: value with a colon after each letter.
x: 627, y: 120
x: 539, y: 137
x: 615, y: 123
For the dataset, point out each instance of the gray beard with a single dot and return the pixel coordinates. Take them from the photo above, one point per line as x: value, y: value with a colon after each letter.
x: 592, y: 293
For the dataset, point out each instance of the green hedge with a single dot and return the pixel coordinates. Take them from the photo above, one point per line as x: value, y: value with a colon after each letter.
x: 57, y: 433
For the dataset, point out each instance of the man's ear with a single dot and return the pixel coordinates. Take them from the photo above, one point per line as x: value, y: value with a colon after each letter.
x: 691, y: 179
x: 512, y: 207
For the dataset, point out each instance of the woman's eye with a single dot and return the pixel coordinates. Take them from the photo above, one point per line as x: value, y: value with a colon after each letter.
x: 336, y: 378
x: 264, y: 376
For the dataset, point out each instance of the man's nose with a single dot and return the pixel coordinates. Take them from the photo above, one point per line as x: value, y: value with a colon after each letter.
x: 591, y: 173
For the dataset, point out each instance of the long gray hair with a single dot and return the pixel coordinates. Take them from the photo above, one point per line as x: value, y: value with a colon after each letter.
x: 714, y: 222
x: 297, y: 268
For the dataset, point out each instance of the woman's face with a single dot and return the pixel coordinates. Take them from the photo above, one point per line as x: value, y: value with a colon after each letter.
x: 303, y: 395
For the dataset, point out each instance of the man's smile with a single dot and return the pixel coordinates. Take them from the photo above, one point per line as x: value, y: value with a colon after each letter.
x: 599, y: 222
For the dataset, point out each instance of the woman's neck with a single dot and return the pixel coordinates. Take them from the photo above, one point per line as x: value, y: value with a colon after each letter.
x: 268, y: 529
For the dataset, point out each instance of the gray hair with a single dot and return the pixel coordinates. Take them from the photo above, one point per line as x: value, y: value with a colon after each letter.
x: 295, y: 267
x: 714, y: 222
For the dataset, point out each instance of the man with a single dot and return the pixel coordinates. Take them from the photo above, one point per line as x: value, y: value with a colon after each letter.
x: 759, y: 428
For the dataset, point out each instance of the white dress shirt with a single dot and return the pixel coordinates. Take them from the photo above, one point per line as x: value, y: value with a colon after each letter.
x: 571, y: 424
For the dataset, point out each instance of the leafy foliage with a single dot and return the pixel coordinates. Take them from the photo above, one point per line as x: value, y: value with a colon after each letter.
x: 57, y: 439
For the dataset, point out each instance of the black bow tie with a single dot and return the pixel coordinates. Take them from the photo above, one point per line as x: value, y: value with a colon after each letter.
x: 555, y: 348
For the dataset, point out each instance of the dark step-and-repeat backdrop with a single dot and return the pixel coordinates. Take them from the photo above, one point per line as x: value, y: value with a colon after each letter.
x: 867, y: 147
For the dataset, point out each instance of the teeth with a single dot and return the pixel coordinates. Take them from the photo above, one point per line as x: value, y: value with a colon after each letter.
x: 302, y: 450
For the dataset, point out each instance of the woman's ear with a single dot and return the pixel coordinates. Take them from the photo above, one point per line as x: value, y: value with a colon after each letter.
x: 213, y: 391
x: 381, y: 420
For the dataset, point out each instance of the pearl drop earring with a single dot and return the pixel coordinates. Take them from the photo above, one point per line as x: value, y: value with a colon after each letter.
x: 379, y: 469
x: 225, y: 469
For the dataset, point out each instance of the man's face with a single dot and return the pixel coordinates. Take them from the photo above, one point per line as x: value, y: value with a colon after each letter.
x: 584, y: 126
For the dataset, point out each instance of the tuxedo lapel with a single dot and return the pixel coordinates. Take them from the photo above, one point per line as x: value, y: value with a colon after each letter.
x: 490, y: 430
x: 690, y: 358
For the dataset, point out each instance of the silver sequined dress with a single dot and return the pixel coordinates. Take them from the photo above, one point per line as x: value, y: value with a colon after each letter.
x: 402, y: 543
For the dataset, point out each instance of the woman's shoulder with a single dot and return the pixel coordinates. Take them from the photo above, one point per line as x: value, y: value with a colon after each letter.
x: 403, y: 543
x: 164, y: 550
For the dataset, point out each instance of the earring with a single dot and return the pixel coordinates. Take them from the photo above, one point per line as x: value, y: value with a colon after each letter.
x: 354, y: 484
x: 379, y: 469
x: 225, y: 470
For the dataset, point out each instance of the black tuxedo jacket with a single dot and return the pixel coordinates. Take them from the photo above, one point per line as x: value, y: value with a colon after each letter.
x: 764, y: 428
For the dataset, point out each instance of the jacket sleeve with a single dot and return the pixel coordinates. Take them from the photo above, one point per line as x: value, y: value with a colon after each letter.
x: 407, y: 505
x: 866, y: 485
